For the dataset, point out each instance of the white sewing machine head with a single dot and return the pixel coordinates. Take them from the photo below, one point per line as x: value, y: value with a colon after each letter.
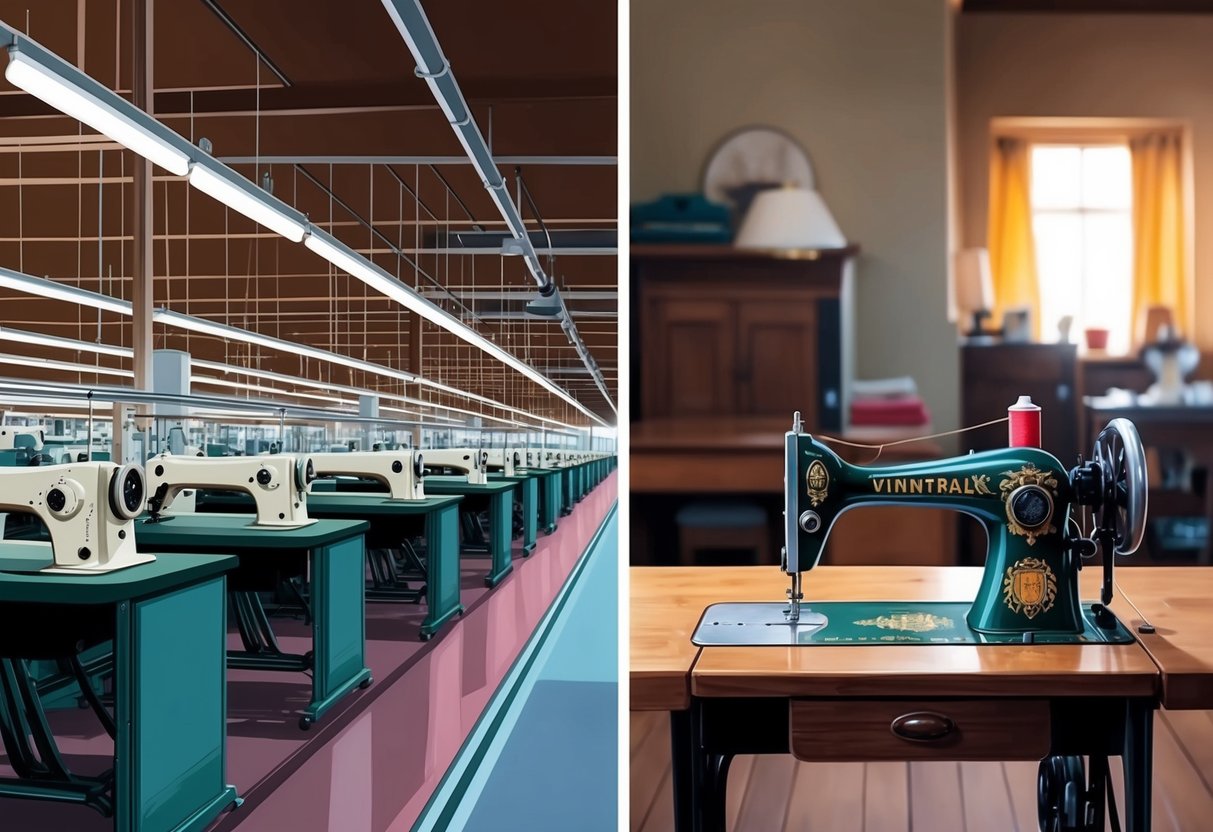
x: 277, y: 484
x: 12, y: 436
x: 471, y: 461
x: 400, y: 472
x: 89, y: 510
x: 505, y: 460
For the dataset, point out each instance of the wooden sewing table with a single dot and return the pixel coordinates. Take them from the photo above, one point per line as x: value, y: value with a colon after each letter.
x: 839, y: 702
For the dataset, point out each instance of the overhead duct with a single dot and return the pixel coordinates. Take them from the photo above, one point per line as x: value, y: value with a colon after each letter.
x: 432, y: 65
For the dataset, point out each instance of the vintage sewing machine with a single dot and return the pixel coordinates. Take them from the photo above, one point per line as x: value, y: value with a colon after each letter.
x: 277, y: 484
x: 89, y: 510
x: 1029, y: 505
x: 503, y: 459
x: 470, y: 461
x: 401, y: 473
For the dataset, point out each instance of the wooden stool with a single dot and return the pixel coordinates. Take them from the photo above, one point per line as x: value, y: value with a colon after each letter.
x: 719, y: 527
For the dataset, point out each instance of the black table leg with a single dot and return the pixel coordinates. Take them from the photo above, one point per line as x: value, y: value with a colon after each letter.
x: 1138, y: 764
x: 715, y: 792
x: 682, y: 764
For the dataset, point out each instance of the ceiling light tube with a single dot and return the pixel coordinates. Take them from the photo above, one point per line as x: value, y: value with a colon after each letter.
x: 26, y: 72
x: 245, y: 198
x: 64, y: 366
x: 19, y: 282
x: 37, y: 338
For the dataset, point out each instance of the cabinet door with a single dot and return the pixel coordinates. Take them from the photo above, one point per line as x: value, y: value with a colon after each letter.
x: 777, y: 361
x: 690, y: 352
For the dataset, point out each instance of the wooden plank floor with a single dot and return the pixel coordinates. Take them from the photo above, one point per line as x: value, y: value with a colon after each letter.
x: 772, y: 793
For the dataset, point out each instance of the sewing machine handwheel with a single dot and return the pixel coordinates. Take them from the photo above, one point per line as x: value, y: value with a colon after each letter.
x: 128, y: 492
x: 418, y: 465
x: 305, y: 472
x: 1123, y: 462
x: 1061, y: 795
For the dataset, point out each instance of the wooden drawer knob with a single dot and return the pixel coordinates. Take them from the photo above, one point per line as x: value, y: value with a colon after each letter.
x: 922, y: 726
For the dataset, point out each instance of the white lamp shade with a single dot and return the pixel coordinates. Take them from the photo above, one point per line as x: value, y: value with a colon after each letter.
x: 972, y: 286
x: 789, y: 218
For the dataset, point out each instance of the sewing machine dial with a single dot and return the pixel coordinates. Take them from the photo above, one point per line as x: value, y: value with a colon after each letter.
x: 418, y: 466
x: 127, y: 492
x: 65, y: 498
x: 1031, y: 507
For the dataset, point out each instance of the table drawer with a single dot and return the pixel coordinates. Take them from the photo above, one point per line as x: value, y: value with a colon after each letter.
x: 960, y: 729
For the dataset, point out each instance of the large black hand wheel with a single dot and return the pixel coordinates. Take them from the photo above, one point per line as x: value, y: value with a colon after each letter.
x: 1061, y: 795
x: 1123, y: 463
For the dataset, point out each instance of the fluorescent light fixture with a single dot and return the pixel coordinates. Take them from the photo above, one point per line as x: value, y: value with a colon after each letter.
x: 47, y: 288
x: 22, y: 336
x: 231, y: 333
x: 39, y: 81
x: 276, y: 391
x: 234, y: 191
x: 346, y: 260
x: 65, y: 366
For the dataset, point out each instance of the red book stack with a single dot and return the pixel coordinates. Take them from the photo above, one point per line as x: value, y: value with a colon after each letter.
x: 890, y: 402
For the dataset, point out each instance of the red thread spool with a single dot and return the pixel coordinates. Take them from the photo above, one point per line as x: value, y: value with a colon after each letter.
x: 1024, y: 423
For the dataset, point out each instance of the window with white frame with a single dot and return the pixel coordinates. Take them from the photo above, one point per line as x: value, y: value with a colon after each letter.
x: 1082, y: 199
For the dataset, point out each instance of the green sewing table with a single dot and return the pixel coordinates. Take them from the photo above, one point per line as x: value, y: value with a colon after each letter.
x: 167, y: 621
x: 329, y: 552
x: 550, y: 495
x: 498, y: 496
x: 527, y: 486
x: 392, y: 523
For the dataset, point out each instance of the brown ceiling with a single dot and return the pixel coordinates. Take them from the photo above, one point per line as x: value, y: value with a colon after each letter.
x: 542, y: 73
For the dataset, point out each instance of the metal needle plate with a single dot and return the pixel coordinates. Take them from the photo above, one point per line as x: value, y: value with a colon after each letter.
x: 754, y: 624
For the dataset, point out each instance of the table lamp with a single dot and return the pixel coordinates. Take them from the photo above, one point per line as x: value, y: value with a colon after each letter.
x: 972, y: 288
x: 789, y: 219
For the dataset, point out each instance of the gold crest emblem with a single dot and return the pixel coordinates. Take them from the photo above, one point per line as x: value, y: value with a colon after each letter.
x: 908, y: 622
x: 1030, y: 587
x: 1027, y: 475
x: 817, y: 480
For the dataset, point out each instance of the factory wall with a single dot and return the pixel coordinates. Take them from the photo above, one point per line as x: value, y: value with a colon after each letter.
x: 1114, y: 66
x: 863, y: 85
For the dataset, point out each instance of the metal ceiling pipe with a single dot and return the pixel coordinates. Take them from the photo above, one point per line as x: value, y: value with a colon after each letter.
x: 435, y: 69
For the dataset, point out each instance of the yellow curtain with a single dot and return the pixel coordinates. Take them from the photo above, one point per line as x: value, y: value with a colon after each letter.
x: 1009, y: 238
x: 1160, y: 269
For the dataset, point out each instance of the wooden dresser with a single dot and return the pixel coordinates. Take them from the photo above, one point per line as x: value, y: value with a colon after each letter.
x: 721, y: 332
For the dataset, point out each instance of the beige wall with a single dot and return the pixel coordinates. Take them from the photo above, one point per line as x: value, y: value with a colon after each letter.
x: 862, y: 84
x: 1116, y: 66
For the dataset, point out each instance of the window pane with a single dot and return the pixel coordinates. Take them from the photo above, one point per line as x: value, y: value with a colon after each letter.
x: 1059, y: 242
x: 1108, y: 283
x: 1056, y: 177
x: 1107, y: 177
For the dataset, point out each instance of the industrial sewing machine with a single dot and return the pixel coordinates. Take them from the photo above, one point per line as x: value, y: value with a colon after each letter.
x: 89, y: 510
x: 470, y: 461
x: 400, y: 472
x: 277, y: 484
x: 18, y: 437
x: 1026, y: 500
x: 505, y: 459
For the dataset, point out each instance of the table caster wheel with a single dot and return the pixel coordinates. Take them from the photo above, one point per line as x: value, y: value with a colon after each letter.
x: 306, y: 723
x: 1061, y: 795
x: 366, y: 683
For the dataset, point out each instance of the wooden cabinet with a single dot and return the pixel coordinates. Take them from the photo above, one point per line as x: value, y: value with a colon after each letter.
x: 720, y: 332
x: 994, y: 376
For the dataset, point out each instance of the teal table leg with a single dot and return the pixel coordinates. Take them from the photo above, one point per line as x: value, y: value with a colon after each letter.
x: 500, y: 534
x: 530, y: 513
x: 549, y: 503
x: 442, y: 569
x: 338, y: 625
x: 170, y: 763
x: 566, y: 490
